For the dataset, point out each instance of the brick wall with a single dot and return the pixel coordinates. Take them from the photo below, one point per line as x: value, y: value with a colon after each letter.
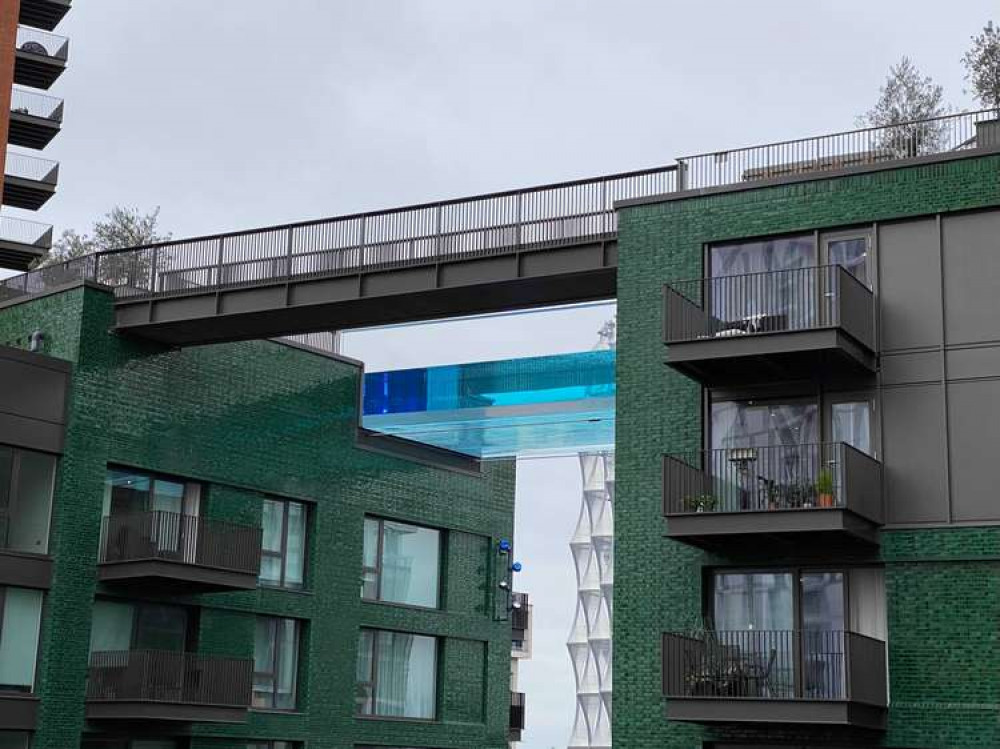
x: 250, y: 419
x: 942, y: 585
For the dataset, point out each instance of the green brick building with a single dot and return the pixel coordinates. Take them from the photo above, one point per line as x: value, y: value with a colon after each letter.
x: 807, y: 539
x: 215, y: 512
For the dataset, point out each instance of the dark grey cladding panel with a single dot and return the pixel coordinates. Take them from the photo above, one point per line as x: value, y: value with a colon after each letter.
x: 911, y: 368
x: 971, y: 244
x: 909, y: 284
x: 33, y: 393
x: 974, y: 423
x: 914, y: 454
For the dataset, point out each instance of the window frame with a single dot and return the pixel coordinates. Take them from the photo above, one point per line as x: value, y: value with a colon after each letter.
x: 378, y: 568
x: 273, y: 744
x: 276, y: 665
x: 42, y: 611
x: 13, y: 497
x: 372, y: 684
x: 282, y: 554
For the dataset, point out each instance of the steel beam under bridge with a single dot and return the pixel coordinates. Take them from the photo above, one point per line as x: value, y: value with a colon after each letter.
x: 546, y: 275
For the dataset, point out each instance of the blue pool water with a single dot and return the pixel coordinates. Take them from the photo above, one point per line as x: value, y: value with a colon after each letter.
x: 547, y: 404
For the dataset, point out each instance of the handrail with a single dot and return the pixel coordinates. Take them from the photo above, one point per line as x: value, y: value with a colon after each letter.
x: 491, y: 223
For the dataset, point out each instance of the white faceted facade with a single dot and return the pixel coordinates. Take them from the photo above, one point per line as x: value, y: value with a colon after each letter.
x: 589, y: 641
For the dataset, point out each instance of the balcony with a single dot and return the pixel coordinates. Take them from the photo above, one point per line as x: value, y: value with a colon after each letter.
x: 23, y: 242
x: 35, y: 119
x: 831, y: 678
x: 155, y: 685
x: 43, y: 14
x: 815, y: 323
x: 28, y: 181
x: 792, y: 495
x: 175, y: 551
x: 39, y: 58
x: 516, y: 715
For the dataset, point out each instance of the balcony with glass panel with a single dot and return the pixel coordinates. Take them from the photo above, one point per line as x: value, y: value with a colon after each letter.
x: 40, y: 57
x: 22, y: 242
x: 28, y: 181
x: 772, y: 310
x: 748, y: 497
x: 35, y: 119
x: 152, y: 534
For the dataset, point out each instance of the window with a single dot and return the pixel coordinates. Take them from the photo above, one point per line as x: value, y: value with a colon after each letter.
x: 401, y: 563
x: 26, y: 483
x: 19, y: 626
x: 775, y: 605
x: 143, y: 509
x: 275, y: 663
x: 274, y: 745
x: 120, y: 625
x: 14, y: 740
x: 282, y: 560
x: 397, y: 674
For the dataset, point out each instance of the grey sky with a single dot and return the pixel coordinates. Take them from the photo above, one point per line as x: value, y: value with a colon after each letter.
x: 237, y: 113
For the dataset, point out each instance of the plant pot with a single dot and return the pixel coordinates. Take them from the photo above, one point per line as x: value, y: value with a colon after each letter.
x: 772, y: 505
x: 826, y: 500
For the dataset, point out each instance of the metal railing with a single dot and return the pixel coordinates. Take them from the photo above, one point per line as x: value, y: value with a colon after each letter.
x: 775, y: 665
x: 169, y: 677
x: 769, y: 302
x: 36, y: 42
x: 779, y: 477
x: 517, y: 711
x: 872, y: 145
x: 483, y: 225
x: 20, y: 231
x: 23, y: 101
x: 498, y: 223
x: 185, y: 539
x: 23, y: 166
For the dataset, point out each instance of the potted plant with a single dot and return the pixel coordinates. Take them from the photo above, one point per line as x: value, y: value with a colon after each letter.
x: 701, y: 503
x: 824, y: 488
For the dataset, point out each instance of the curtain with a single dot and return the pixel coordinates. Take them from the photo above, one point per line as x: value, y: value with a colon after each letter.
x: 22, y: 614
x: 851, y: 423
x: 867, y: 593
x: 369, y: 574
x: 852, y: 254
x: 287, y: 663
x: 295, y: 551
x: 783, y: 293
x: 406, y: 675
x: 272, y: 521
x: 410, y: 562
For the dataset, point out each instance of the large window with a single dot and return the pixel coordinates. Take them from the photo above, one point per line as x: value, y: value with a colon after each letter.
x: 19, y: 626
x: 397, y: 674
x: 275, y: 663
x: 123, y: 625
x: 26, y: 483
x: 401, y: 563
x: 283, y: 544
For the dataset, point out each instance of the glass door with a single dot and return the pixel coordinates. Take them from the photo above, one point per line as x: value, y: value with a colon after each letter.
x: 823, y: 623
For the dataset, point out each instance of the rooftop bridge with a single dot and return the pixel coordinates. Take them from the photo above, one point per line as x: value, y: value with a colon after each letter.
x: 547, y: 245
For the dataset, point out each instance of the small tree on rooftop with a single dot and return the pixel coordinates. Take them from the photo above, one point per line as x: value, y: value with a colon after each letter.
x: 120, y: 228
x: 906, y: 102
x: 982, y: 66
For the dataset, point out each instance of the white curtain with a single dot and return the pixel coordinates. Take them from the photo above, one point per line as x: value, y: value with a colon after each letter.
x: 22, y: 616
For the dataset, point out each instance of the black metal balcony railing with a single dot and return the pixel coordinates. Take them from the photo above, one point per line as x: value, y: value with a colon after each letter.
x: 20, y: 231
x: 32, y: 168
x: 519, y: 612
x: 873, y: 145
x: 780, y: 301
x: 775, y: 665
x: 184, y: 539
x: 31, y: 103
x: 517, y: 712
x: 486, y: 224
x: 42, y: 43
x: 780, y: 477
x: 169, y: 677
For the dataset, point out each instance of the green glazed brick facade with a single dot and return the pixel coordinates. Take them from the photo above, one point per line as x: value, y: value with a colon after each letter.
x: 942, y: 585
x: 251, y: 420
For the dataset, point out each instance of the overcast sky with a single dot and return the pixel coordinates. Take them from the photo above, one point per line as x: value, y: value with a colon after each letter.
x: 237, y: 113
